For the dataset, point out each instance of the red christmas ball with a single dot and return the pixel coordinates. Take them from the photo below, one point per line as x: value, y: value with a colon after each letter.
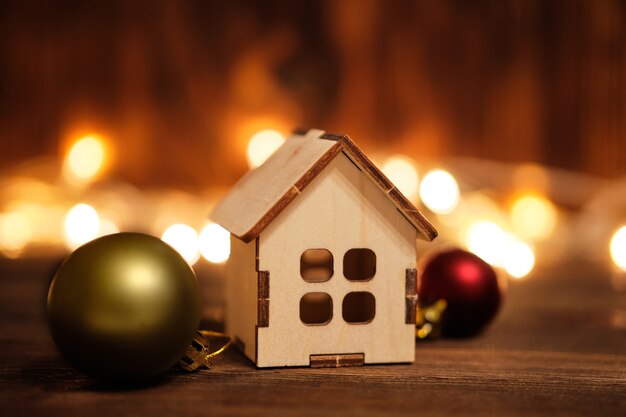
x: 468, y: 285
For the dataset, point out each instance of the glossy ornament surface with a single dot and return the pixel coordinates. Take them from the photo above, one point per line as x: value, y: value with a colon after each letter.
x: 469, y: 287
x: 124, y: 307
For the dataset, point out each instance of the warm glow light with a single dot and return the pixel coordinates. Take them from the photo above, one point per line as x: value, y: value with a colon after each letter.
x: 618, y: 248
x: 439, y: 191
x: 262, y: 145
x: 107, y: 227
x: 214, y: 243
x: 45, y: 221
x: 488, y: 241
x: 403, y: 174
x: 533, y: 217
x: 500, y: 248
x: 519, y: 259
x: 184, y: 240
x: 531, y: 177
x: 15, y: 233
x: 85, y: 158
x: 82, y: 225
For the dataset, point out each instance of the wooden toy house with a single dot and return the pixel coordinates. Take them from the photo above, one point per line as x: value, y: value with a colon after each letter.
x: 323, y: 257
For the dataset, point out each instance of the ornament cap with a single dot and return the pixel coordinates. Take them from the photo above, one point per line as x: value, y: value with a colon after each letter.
x: 198, y: 353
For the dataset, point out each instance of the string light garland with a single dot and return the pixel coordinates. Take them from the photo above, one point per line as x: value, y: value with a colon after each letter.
x: 523, y: 206
x: 507, y: 226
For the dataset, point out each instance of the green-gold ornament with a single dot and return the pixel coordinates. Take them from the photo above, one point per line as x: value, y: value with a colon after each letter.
x: 124, y: 307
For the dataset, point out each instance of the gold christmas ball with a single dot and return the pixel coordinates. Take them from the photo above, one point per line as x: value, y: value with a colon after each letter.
x: 124, y: 307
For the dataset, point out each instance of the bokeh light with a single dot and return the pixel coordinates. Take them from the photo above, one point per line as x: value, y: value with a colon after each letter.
x: 488, y: 241
x: 618, y: 248
x: 107, y: 227
x: 262, y: 145
x: 15, y: 233
x: 403, y: 174
x: 531, y: 177
x: 45, y: 222
x: 519, y: 259
x: 533, y: 217
x: 85, y: 159
x: 214, y: 243
x: 500, y: 248
x: 439, y: 191
x: 82, y: 225
x: 184, y: 239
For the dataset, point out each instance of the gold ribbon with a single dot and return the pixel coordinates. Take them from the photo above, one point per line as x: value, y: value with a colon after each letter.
x: 198, y: 353
x: 428, y: 319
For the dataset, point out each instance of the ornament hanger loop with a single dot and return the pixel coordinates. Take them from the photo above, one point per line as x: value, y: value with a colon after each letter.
x: 198, y: 353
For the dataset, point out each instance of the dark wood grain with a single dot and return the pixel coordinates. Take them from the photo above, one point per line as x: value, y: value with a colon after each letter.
x: 337, y: 361
x: 558, y: 347
x: 411, y: 296
x: 263, y: 304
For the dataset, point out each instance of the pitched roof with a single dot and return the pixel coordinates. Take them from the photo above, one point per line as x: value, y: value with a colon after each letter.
x: 260, y: 195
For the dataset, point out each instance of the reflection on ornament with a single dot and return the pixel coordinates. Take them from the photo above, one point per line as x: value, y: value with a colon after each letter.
x: 469, y: 287
x: 124, y: 307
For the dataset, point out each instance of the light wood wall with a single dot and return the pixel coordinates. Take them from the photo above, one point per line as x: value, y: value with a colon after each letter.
x: 340, y: 210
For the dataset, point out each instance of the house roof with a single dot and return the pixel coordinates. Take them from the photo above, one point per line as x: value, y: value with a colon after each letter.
x: 260, y: 195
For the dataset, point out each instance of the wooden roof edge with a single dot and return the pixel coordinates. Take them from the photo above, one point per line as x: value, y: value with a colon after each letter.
x: 406, y: 208
x: 296, y: 189
x: 344, y: 143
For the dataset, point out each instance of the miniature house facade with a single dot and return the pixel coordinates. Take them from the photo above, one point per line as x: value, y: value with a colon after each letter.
x: 323, y: 257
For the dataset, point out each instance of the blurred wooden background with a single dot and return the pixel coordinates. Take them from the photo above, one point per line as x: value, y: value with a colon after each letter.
x: 178, y: 87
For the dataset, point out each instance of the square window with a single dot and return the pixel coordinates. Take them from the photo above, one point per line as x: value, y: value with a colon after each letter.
x: 316, y: 265
x: 316, y: 308
x: 358, y: 307
x: 359, y: 264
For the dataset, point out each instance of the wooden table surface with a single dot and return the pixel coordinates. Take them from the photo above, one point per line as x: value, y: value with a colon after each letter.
x: 557, y: 347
